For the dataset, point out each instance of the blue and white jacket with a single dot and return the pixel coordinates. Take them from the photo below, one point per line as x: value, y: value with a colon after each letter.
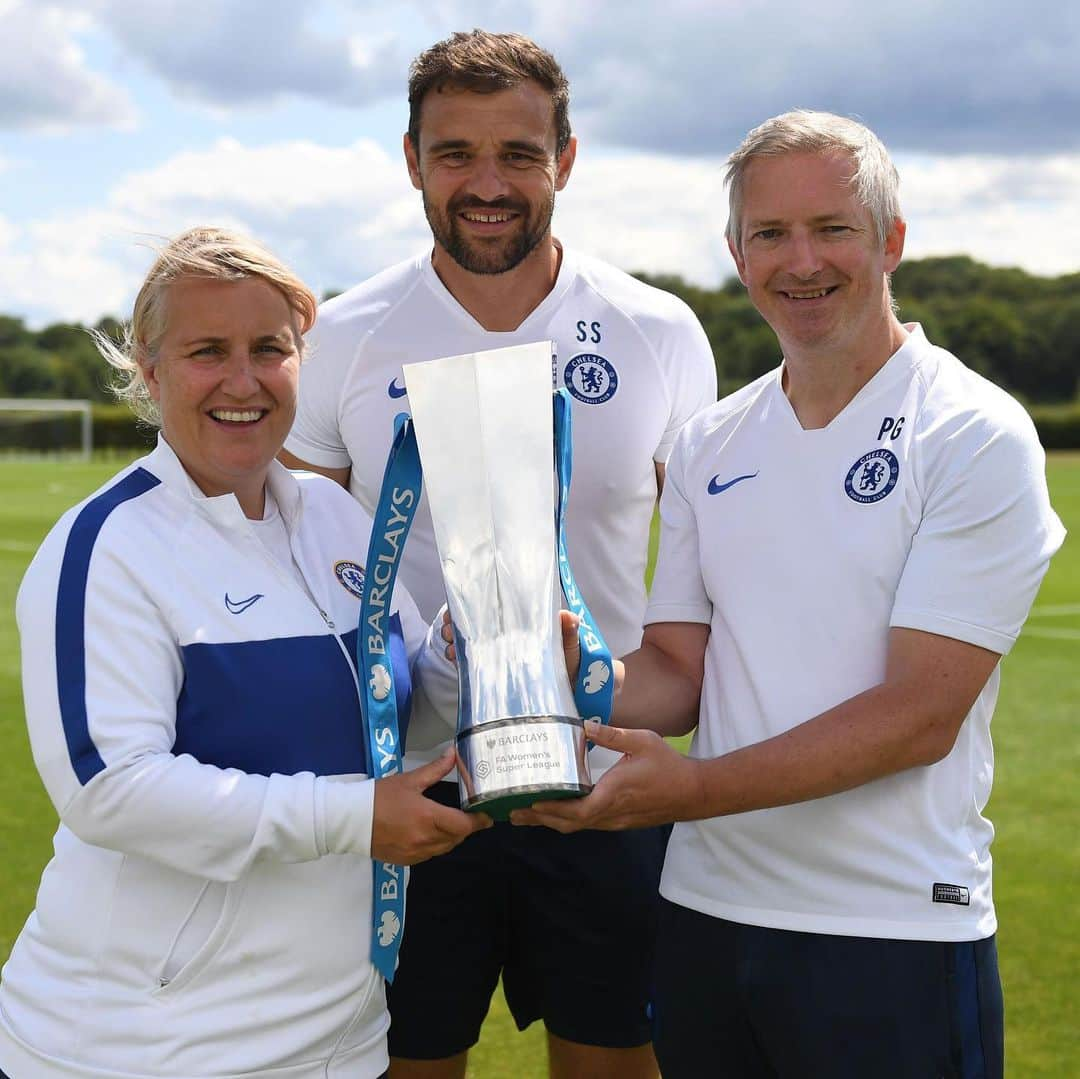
x: 195, y: 716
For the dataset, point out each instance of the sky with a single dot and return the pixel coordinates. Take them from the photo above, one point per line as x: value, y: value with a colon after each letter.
x: 123, y: 121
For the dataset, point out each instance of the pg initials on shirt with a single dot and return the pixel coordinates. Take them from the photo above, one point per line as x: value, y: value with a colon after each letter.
x: 890, y: 427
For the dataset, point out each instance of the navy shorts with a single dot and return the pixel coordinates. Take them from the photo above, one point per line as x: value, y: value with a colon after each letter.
x: 568, y: 921
x: 785, y: 1005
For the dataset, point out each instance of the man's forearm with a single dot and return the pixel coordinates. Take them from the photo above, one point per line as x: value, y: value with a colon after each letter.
x: 909, y: 720
x: 661, y: 687
x: 856, y: 742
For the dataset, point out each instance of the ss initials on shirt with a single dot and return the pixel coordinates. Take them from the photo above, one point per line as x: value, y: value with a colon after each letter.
x: 588, y: 331
x: 891, y: 427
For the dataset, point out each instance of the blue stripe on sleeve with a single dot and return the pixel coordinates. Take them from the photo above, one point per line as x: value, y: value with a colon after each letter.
x: 71, y: 619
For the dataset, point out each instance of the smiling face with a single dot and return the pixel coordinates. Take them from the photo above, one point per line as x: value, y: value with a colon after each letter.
x: 225, y: 378
x: 488, y: 170
x: 810, y: 256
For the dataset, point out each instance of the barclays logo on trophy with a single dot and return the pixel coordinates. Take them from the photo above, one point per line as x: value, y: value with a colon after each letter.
x: 495, y: 447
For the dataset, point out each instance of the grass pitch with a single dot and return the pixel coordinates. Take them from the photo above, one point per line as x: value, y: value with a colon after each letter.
x: 1034, y: 805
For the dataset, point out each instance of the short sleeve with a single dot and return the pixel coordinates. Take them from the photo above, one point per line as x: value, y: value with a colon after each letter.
x: 435, y: 693
x: 691, y: 376
x: 316, y: 432
x: 414, y: 628
x: 678, y: 589
x: 987, y: 532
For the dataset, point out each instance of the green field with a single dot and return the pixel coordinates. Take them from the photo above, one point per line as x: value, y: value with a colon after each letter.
x: 1035, y: 802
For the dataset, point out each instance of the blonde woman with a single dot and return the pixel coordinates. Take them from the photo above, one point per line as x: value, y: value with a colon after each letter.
x: 193, y: 706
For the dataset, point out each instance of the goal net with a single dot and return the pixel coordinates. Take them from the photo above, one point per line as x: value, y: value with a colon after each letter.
x: 43, y: 425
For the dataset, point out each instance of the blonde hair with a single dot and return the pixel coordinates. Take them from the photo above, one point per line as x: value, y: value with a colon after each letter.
x: 203, y: 252
x: 803, y: 131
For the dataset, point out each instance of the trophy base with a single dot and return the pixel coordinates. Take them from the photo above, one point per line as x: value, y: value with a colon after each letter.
x: 508, y: 764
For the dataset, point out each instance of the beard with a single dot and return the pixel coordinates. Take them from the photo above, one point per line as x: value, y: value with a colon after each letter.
x: 497, y: 255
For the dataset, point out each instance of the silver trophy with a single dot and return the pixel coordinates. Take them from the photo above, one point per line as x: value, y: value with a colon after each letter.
x: 484, y: 429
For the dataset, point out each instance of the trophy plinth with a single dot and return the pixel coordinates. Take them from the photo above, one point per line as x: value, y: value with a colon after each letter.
x: 510, y: 763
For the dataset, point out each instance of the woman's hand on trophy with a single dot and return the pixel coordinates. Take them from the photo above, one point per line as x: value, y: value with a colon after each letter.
x: 650, y: 784
x: 448, y: 634
x: 409, y: 828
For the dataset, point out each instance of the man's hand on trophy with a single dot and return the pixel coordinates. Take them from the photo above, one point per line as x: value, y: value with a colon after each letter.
x: 651, y: 784
x: 571, y: 643
x: 568, y: 623
x: 409, y: 828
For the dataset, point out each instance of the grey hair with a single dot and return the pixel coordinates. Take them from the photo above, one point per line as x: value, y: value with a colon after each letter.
x: 874, y: 178
x: 204, y: 252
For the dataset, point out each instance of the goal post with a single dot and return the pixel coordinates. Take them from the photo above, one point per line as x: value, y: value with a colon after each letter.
x: 34, y: 408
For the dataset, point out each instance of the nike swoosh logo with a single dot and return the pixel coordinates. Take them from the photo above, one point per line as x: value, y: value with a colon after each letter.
x: 395, y: 390
x: 241, y: 605
x: 715, y: 488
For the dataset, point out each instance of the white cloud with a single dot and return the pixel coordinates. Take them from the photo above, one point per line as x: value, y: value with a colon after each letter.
x: 1006, y: 211
x: 67, y: 267
x: 339, y: 214
x: 278, y: 179
x: 948, y: 183
x: 7, y: 233
x: 336, y: 213
x: 648, y: 212
x: 45, y: 83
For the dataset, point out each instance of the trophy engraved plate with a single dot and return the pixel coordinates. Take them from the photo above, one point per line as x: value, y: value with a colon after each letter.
x: 485, y: 433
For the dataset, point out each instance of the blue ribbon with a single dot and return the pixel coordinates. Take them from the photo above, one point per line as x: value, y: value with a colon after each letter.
x: 595, y: 686
x: 398, y: 499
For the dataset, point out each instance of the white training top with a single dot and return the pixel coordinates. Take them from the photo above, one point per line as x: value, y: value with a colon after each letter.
x: 195, y: 715
x: 922, y: 505
x: 634, y: 358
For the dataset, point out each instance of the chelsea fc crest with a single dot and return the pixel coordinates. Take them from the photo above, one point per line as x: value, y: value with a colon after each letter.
x: 350, y: 576
x: 872, y: 476
x: 590, y: 378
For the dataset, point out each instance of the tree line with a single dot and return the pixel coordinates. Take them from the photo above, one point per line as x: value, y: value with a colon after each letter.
x: 1018, y: 329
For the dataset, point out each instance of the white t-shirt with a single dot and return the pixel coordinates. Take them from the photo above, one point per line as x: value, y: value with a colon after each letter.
x: 922, y: 505
x: 271, y: 532
x: 637, y: 364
